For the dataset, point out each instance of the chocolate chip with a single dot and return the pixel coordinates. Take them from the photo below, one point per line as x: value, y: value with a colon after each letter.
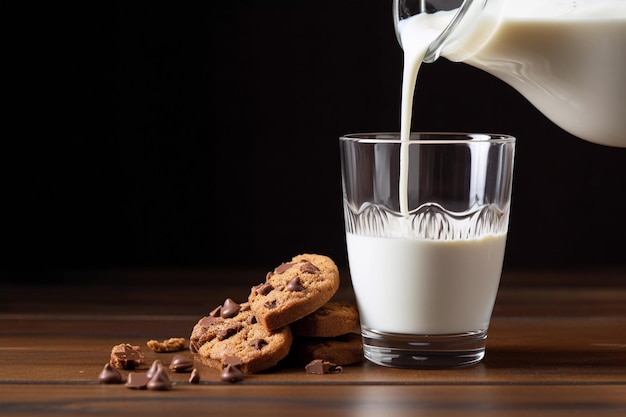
x: 181, y: 363
x: 283, y: 267
x: 258, y: 343
x: 231, y: 374
x: 216, y: 312
x: 137, y: 381
x: 294, y: 284
x: 156, y: 365
x: 251, y: 320
x: 160, y: 381
x: 229, y: 331
x: 264, y: 289
x: 229, y: 309
x: 194, y: 378
x: 320, y: 367
x: 231, y: 360
x: 110, y: 375
x: 193, y: 346
x: 309, y: 268
x: 270, y: 304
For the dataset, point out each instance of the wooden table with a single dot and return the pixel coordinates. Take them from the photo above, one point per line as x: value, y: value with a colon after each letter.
x: 556, y: 347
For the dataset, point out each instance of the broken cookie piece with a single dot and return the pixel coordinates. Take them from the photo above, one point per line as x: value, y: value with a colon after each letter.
x: 126, y: 356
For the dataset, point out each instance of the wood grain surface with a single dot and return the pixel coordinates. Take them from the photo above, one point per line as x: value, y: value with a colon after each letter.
x: 555, y: 348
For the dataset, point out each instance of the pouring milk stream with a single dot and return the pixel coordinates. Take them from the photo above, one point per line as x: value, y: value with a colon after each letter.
x: 567, y: 57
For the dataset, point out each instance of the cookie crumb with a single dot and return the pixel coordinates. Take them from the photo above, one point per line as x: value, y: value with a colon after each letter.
x: 126, y: 356
x: 173, y: 344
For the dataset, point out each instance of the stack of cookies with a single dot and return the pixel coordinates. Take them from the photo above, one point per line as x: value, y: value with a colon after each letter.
x: 290, y: 314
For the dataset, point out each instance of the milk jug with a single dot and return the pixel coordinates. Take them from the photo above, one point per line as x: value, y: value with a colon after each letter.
x: 567, y: 57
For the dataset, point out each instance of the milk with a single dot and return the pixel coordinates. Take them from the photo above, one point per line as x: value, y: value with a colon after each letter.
x: 568, y: 58
x: 421, y: 286
x: 415, y: 40
x: 542, y: 60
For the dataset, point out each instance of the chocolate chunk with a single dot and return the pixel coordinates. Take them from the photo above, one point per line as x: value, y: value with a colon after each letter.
x: 137, y: 380
x: 229, y: 331
x: 156, y: 365
x: 294, y: 284
x: 194, y: 378
x: 320, y: 367
x: 215, y: 312
x: 110, y: 375
x: 258, y: 343
x: 270, y: 304
x: 193, y: 346
x: 208, y: 321
x: 263, y: 289
x: 181, y: 363
x: 229, y: 309
x: 160, y: 381
x: 309, y: 268
x: 231, y: 360
x: 251, y: 320
x: 231, y: 374
x: 283, y: 267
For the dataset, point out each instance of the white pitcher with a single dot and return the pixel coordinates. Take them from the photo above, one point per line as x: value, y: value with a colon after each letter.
x: 567, y: 57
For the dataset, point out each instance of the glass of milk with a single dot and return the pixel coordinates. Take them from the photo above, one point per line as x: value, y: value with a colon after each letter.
x: 426, y: 222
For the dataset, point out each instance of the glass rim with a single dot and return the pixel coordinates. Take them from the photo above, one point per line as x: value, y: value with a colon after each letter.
x: 427, y: 137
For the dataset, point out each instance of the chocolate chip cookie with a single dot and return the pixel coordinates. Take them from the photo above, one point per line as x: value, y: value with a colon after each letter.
x: 231, y: 331
x: 333, y: 319
x: 342, y: 350
x: 294, y: 290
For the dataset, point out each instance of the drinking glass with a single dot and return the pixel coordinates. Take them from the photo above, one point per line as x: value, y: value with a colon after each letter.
x: 426, y: 222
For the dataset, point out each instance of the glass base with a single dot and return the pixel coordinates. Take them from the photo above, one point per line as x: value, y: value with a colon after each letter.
x: 424, y: 351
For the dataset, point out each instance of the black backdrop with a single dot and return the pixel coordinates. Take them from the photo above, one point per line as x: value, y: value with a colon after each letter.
x: 200, y: 134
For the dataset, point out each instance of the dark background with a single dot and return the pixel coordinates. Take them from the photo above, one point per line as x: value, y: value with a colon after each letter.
x: 204, y: 134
